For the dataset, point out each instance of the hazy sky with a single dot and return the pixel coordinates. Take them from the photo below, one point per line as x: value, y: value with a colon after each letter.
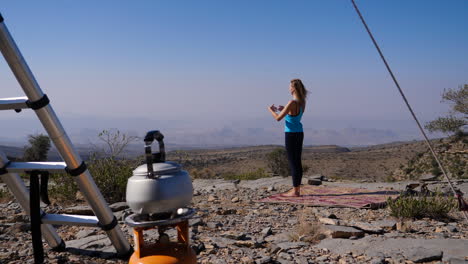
x: 228, y: 60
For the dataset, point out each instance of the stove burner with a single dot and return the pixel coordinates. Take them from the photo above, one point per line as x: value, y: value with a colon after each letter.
x: 159, y: 219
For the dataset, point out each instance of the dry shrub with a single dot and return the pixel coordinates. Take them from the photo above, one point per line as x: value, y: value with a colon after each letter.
x: 251, y: 175
x: 277, y: 161
x: 204, y: 173
x: 308, y: 231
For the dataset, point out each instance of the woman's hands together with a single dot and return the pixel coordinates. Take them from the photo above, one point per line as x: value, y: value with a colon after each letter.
x: 273, y: 108
x: 274, y: 111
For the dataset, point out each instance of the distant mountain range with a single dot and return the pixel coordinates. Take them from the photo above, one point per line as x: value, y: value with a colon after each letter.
x: 210, y: 134
x: 53, y: 155
x: 133, y: 150
x: 12, y: 151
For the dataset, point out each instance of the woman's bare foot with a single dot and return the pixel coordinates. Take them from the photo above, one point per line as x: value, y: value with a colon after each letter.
x: 295, y: 192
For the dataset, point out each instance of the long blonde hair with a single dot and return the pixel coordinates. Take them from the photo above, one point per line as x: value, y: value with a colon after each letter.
x: 301, y: 91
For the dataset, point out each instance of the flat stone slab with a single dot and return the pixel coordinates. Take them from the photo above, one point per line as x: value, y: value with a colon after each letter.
x: 316, y: 177
x: 314, y: 182
x: 86, y: 232
x: 116, y: 207
x: 86, y: 210
x: 366, y: 227
x: 222, y: 242
x: 419, y: 255
x: 343, y: 231
x: 278, y: 238
x: 387, y: 225
x: 79, y: 210
x: 457, y: 261
x: 91, y: 242
x: 291, y: 245
x: 394, y: 247
x: 428, y: 177
x: 329, y: 221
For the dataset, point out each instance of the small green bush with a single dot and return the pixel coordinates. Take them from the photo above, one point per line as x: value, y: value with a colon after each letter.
x: 408, y: 170
x: 460, y: 135
x: 436, y: 207
x: 253, y: 175
x: 38, y: 149
x: 389, y: 178
x: 111, y: 176
x: 62, y: 187
x: 277, y: 162
x: 458, y: 167
x: 436, y: 171
x: 418, y: 171
x: 108, y: 167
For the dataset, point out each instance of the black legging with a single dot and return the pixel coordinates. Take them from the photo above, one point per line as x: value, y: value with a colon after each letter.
x: 293, y: 144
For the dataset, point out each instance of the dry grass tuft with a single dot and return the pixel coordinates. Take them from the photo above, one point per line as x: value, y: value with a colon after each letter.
x: 5, y: 195
x: 307, y: 230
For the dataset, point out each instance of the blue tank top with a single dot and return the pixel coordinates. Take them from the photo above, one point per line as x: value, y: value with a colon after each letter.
x: 293, y: 123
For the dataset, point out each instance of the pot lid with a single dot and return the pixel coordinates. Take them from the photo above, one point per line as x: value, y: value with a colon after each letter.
x: 161, y: 168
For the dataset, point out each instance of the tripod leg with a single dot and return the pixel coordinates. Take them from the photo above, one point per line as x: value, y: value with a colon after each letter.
x: 35, y: 215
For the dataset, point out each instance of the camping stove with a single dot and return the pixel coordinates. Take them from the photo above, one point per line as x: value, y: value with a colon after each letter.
x: 158, y: 194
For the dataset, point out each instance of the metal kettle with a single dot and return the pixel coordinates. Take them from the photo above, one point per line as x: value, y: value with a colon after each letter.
x: 158, y: 186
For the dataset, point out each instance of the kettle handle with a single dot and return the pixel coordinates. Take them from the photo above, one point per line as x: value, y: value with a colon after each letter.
x: 160, y: 157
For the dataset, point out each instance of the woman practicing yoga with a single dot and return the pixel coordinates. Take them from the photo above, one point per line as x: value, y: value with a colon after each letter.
x: 294, y: 134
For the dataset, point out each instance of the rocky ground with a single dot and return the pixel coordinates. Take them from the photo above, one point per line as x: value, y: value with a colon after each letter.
x: 231, y: 227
